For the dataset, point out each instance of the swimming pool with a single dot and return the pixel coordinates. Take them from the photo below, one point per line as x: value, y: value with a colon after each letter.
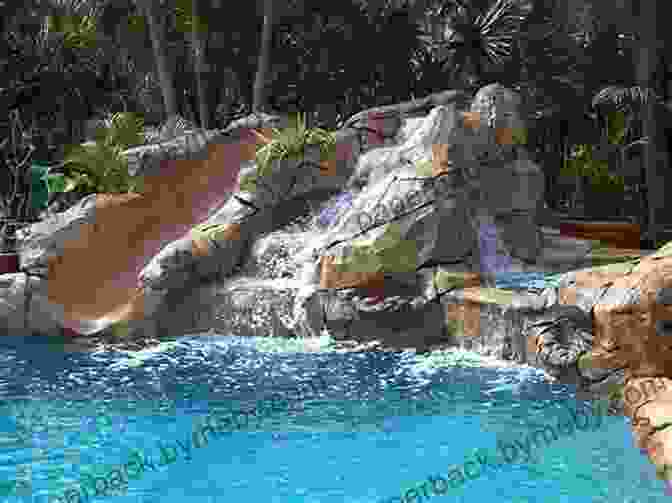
x: 532, y: 281
x: 351, y: 427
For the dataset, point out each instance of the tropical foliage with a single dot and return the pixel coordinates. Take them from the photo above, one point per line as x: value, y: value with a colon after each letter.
x: 622, y: 109
x: 479, y: 38
x: 100, y: 167
x: 78, y: 31
x: 16, y: 156
x: 96, y: 56
x: 626, y: 99
x: 582, y: 162
x: 59, y: 66
x: 597, y: 162
x: 289, y: 143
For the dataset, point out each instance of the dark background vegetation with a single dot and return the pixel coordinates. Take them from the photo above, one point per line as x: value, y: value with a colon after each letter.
x: 211, y: 63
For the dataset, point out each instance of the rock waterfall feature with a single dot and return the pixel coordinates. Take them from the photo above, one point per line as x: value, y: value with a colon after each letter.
x: 398, y: 236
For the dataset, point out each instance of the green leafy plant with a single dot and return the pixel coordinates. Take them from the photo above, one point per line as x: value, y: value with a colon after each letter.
x: 616, y: 128
x: 288, y: 143
x: 520, y: 136
x: 122, y: 129
x: 585, y: 159
x: 387, y: 253
x: 480, y: 37
x: 100, y: 167
x: 583, y: 163
x: 78, y: 31
x: 185, y: 19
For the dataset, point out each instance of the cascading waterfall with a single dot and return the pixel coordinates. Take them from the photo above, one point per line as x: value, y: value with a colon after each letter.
x: 274, y: 266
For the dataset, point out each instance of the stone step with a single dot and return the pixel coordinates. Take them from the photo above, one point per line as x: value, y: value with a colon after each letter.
x: 562, y: 254
x: 493, y: 321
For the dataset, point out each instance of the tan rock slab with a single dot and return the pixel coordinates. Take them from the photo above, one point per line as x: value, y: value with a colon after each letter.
x: 628, y: 330
x: 469, y: 312
x: 332, y: 276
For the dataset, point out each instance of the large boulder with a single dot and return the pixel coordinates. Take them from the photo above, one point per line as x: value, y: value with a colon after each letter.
x: 511, y: 184
x: 42, y: 240
x: 633, y: 316
x: 403, y: 319
x: 14, y: 301
x: 449, y: 193
x: 560, y: 335
x: 649, y: 403
x: 374, y: 165
x: 24, y: 308
x: 629, y: 308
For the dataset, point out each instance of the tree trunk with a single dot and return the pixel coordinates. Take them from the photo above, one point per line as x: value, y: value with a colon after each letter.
x: 654, y: 153
x: 198, y: 46
x: 259, y: 90
x: 148, y: 7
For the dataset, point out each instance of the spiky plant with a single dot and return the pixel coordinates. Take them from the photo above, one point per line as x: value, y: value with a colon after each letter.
x: 100, y: 167
x: 626, y: 104
x: 285, y: 144
x: 292, y: 141
x: 624, y: 99
x: 480, y: 37
x: 288, y: 143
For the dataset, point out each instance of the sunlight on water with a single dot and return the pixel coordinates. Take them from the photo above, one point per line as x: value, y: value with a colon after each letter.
x: 352, y: 426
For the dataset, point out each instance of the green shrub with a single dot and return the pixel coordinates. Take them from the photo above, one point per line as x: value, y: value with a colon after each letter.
x: 100, y: 167
x: 289, y: 143
x: 582, y: 163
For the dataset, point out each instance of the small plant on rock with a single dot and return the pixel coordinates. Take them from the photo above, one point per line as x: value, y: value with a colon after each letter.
x: 286, y: 144
x: 387, y: 253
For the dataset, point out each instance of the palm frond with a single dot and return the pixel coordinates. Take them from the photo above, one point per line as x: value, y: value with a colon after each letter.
x: 624, y: 98
x: 503, y: 15
x: 483, y: 35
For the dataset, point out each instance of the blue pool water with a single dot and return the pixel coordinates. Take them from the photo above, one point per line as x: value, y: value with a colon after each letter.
x: 533, y: 281
x: 354, y: 427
